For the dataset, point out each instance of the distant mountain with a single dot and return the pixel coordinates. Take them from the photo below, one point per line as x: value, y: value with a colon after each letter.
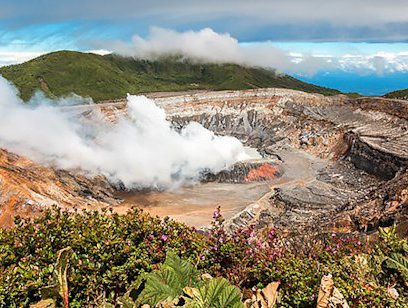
x: 400, y: 94
x: 112, y: 76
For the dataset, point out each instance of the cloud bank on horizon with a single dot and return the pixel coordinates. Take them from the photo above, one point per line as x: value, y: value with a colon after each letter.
x: 235, y: 31
x: 209, y: 46
x: 206, y: 45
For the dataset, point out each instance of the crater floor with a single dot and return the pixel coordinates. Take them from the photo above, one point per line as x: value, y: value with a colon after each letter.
x: 194, y: 205
x: 342, y: 162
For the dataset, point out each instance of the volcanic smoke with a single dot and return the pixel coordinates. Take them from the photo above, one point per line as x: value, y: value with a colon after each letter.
x: 140, y: 150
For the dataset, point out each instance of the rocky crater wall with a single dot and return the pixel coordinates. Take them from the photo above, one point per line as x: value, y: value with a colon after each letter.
x: 336, y: 155
x: 383, y: 164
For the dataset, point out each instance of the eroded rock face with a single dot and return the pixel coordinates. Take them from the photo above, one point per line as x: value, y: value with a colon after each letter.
x: 363, y: 141
x: 365, y: 154
x: 25, y: 187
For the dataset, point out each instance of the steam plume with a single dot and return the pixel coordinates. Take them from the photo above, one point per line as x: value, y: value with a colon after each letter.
x: 140, y: 150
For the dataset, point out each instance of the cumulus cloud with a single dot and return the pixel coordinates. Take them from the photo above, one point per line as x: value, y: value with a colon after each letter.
x: 140, y: 150
x: 380, y: 63
x: 206, y: 45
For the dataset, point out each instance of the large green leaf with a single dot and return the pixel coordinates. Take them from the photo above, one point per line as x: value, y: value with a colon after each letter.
x: 399, y: 263
x: 216, y: 293
x: 167, y: 283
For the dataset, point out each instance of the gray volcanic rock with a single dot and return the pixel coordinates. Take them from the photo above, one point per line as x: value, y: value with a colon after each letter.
x: 370, y: 140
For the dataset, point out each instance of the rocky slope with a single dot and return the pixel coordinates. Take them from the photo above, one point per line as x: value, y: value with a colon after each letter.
x: 25, y: 187
x: 342, y: 162
x: 362, y: 144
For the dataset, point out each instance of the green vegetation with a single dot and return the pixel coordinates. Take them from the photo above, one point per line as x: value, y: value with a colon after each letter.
x: 111, y: 76
x: 110, y: 252
x: 117, y: 259
x: 178, y: 283
x: 353, y: 94
x: 400, y: 94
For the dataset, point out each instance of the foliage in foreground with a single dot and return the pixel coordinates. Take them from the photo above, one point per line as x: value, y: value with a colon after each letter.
x: 111, y: 252
x: 178, y: 283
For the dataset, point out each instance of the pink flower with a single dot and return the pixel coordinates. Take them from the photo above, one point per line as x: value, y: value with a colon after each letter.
x: 151, y: 236
x: 312, y: 296
x: 272, y: 233
x: 164, y: 238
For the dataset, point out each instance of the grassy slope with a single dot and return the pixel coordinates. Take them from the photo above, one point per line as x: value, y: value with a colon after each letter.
x: 111, y: 76
x: 400, y: 94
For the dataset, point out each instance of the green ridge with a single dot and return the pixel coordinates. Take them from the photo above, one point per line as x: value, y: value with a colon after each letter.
x: 399, y: 94
x: 112, y: 76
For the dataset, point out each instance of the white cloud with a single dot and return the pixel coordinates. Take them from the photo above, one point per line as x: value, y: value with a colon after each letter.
x: 206, y: 45
x: 379, y: 63
x: 209, y: 46
x: 101, y: 52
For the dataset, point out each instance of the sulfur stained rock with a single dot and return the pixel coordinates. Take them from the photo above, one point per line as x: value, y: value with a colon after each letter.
x: 26, y: 187
x: 246, y: 171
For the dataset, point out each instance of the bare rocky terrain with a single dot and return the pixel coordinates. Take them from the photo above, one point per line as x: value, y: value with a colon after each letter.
x: 341, y: 163
x: 26, y: 186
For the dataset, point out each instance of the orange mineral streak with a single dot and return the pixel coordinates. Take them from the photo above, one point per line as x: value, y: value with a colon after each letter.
x: 264, y: 172
x: 26, y: 187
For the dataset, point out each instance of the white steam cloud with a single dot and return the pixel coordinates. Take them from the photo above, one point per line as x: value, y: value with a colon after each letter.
x: 140, y: 150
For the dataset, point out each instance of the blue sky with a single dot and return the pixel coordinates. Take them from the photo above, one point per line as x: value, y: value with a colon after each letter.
x: 351, y: 45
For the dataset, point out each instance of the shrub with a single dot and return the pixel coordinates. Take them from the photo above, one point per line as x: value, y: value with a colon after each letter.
x: 178, y: 283
x: 111, y: 251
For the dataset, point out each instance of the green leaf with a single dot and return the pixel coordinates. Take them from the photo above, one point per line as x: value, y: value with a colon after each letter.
x: 405, y: 247
x: 399, y: 263
x: 127, y: 302
x: 217, y: 293
x: 167, y: 283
